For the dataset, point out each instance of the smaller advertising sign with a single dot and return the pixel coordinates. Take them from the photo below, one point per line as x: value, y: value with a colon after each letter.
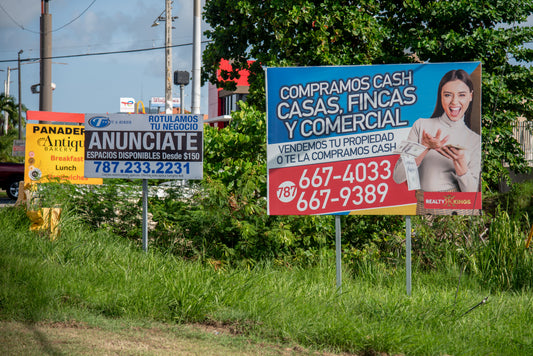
x: 144, y: 146
x: 160, y: 102
x: 19, y: 148
x: 55, y: 153
x: 127, y: 105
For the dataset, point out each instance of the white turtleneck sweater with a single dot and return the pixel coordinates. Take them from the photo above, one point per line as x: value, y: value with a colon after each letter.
x: 437, y: 172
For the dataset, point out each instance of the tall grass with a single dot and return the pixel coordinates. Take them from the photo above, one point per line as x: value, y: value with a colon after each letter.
x: 491, y: 248
x: 503, y: 260
x: 92, y: 274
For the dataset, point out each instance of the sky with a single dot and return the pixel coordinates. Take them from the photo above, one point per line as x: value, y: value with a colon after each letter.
x: 95, y: 84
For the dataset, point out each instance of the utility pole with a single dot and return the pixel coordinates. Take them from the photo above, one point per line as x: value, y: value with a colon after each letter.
x: 168, y: 57
x: 182, y: 97
x: 181, y: 78
x: 168, y: 52
x: 20, y: 96
x: 45, y: 97
x: 196, y: 59
x: 6, y: 87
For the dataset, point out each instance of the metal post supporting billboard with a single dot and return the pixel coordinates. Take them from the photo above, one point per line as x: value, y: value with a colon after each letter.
x: 145, y: 215
x: 338, y: 253
x: 408, y: 254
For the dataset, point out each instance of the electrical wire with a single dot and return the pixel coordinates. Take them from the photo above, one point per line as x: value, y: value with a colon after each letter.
x: 11, y: 17
x: 80, y: 15
x: 38, y: 32
x: 100, y: 53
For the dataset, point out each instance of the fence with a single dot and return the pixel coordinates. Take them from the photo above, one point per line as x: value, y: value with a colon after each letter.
x: 523, y: 133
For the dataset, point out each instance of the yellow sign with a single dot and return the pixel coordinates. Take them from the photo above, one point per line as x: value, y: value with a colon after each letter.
x: 55, y: 153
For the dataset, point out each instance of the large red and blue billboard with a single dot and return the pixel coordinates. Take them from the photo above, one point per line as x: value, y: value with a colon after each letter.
x: 381, y: 139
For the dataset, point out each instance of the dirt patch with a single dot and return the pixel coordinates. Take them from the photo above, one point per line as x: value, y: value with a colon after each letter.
x: 77, y: 338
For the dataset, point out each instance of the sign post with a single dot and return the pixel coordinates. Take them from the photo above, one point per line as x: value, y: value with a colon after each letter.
x: 338, y: 252
x: 145, y: 215
x: 408, y: 254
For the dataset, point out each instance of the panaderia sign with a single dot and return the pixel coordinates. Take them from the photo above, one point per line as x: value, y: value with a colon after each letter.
x: 55, y: 153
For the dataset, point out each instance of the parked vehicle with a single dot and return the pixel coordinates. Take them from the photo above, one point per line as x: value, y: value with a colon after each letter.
x: 10, y: 176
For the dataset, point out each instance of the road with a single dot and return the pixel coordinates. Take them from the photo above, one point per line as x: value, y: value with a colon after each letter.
x: 6, y: 202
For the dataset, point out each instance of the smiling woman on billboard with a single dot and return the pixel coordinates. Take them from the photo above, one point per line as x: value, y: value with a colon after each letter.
x: 451, y: 160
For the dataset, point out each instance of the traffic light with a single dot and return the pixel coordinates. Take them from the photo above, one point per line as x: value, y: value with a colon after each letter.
x: 181, y: 77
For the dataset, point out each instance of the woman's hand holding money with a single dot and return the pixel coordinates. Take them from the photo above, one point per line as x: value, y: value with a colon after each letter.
x: 457, y: 156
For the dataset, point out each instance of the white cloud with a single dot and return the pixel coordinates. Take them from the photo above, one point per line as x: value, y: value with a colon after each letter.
x: 19, y: 13
x: 95, y: 83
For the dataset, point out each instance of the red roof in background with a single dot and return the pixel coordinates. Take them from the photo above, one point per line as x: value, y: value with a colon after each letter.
x: 242, y: 81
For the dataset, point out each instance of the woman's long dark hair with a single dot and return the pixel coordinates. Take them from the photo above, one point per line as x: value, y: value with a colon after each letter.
x: 456, y: 74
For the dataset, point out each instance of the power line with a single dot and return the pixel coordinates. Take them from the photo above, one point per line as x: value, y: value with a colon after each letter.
x: 11, y: 17
x: 38, y: 32
x: 77, y: 17
x: 99, y: 53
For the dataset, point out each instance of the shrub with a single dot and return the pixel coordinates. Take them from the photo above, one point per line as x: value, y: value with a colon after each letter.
x: 223, y: 219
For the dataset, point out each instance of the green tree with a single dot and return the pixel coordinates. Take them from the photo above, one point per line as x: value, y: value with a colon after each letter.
x: 288, y: 32
x: 235, y: 178
x: 8, y: 105
x: 466, y: 30
x: 342, y: 32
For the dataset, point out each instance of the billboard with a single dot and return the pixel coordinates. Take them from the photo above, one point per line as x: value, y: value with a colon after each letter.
x: 55, y: 153
x: 382, y: 139
x: 144, y: 146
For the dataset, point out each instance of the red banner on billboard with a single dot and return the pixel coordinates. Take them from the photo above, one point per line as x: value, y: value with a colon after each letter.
x: 336, y: 187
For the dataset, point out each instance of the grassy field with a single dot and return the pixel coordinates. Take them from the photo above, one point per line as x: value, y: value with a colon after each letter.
x: 94, y: 278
